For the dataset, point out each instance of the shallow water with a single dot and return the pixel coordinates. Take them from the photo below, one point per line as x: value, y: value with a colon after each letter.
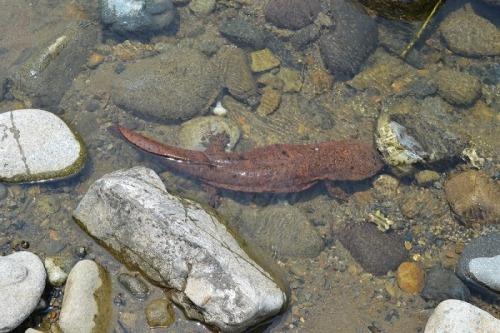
x: 330, y: 291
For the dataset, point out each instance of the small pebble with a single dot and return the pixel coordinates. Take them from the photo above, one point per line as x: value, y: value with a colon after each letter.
x: 56, y: 275
x: 160, y: 313
x: 95, y: 59
x: 263, y: 60
x: 135, y: 286
x: 219, y: 110
x: 410, y: 276
x: 92, y: 105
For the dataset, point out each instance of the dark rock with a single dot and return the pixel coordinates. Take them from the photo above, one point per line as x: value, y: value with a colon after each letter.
x: 408, y: 9
x: 482, y: 247
x: 46, y: 72
x: 279, y: 49
x: 353, y: 39
x: 292, y: 14
x: 442, y: 284
x: 133, y: 16
x: 134, y: 285
x: 175, y: 85
x: 375, y: 251
x: 3, y: 192
x: 242, y: 33
x: 305, y: 36
x: 488, y: 73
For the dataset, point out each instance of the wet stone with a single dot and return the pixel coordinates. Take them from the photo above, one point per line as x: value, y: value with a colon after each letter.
x: 345, y: 48
x: 487, y: 246
x: 236, y: 73
x: 196, y: 134
x: 202, y: 7
x: 427, y: 177
x: 442, y: 284
x: 486, y: 271
x: 469, y: 34
x: 457, y: 87
x: 56, y: 275
x: 137, y: 16
x: 263, y: 60
x: 305, y: 36
x: 4, y: 192
x: 242, y: 33
x: 25, y: 157
x: 292, y: 14
x: 460, y: 317
x: 22, y: 281
x: 473, y: 197
x: 160, y: 313
x: 134, y: 285
x: 410, y: 277
x: 375, y: 251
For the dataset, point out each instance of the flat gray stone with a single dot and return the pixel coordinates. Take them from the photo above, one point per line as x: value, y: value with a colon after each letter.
x: 179, y: 245
x: 36, y: 145
x: 461, y: 317
x: 486, y: 271
x: 86, y: 306
x: 22, y: 281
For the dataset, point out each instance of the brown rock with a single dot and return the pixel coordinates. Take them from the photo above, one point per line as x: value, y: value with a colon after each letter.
x: 410, y: 276
x: 474, y: 197
x: 263, y: 60
x: 321, y: 80
x: 269, y: 102
x: 457, y: 87
x: 236, y: 72
x: 95, y: 59
x: 160, y: 313
x: 292, y: 14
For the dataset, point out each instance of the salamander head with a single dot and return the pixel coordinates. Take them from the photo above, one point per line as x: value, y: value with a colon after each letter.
x: 364, y: 161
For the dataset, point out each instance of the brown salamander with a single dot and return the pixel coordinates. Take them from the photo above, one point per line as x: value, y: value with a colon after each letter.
x: 277, y: 168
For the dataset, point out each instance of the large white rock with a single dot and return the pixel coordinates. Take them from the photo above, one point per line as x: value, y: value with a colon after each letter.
x: 87, y: 299
x: 179, y: 245
x: 22, y: 280
x: 454, y: 316
x: 36, y: 145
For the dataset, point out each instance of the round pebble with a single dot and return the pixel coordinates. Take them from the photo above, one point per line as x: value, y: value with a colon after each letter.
x: 410, y: 277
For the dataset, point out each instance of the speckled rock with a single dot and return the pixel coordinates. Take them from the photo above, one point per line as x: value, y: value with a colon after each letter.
x: 242, y: 33
x: 22, y: 281
x: 292, y: 14
x: 56, y: 275
x: 457, y: 87
x: 469, y: 34
x: 175, y: 85
x: 486, y: 271
x: 236, y: 73
x: 160, y: 313
x: 134, y: 285
x: 202, y: 7
x: 375, y: 251
x: 196, y: 133
x: 426, y: 177
x: 354, y: 37
x: 441, y: 284
x: 460, y: 317
x: 305, y: 37
x: 86, y: 306
x: 44, y: 73
x: 264, y: 228
x: 410, y: 277
x: 165, y: 237
x: 487, y: 246
x: 137, y: 16
x: 37, y: 145
x: 473, y: 197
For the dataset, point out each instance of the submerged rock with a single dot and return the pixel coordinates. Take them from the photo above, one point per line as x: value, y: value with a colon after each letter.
x: 410, y: 132
x: 242, y: 33
x: 196, y: 134
x: 160, y: 313
x: 137, y: 16
x: 292, y: 14
x: 408, y: 9
x: 37, y: 146
x: 457, y: 87
x: 469, y: 34
x: 176, y: 85
x: 22, y: 281
x: 486, y: 271
x: 375, y: 251
x: 474, y: 197
x: 43, y: 75
x: 348, y: 45
x: 486, y: 248
x: 179, y: 245
x: 86, y: 306
x: 460, y: 317
x: 236, y: 73
x: 441, y: 284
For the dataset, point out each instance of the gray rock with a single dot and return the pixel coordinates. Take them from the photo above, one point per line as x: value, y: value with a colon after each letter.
x: 30, y: 330
x: 305, y: 36
x: 202, y: 7
x: 375, y: 251
x: 457, y: 87
x: 292, y: 14
x: 45, y: 73
x: 179, y: 245
x: 176, y: 85
x: 264, y: 227
x: 460, y: 317
x: 482, y: 247
x: 57, y: 276
x: 195, y: 134
x: 441, y: 284
x: 353, y: 39
x: 134, y: 285
x: 469, y: 34
x: 22, y: 281
x: 86, y: 305
x: 37, y: 145
x: 4, y: 192
x: 410, y: 131
x: 242, y: 33
x: 236, y: 73
x: 137, y: 16
x: 486, y: 271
